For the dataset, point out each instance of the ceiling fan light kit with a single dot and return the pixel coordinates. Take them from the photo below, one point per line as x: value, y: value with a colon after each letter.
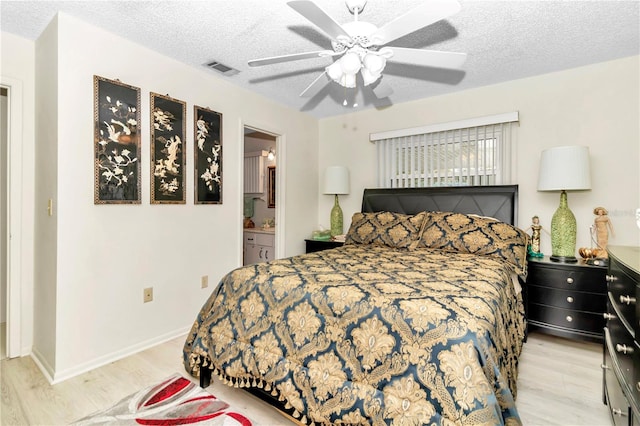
x: 358, y: 45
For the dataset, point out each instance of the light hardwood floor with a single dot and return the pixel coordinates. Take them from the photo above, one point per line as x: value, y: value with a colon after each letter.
x: 560, y: 383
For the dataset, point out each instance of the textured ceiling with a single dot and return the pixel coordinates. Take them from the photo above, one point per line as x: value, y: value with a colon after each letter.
x: 504, y: 40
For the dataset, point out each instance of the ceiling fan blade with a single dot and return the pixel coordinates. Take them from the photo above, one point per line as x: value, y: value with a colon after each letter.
x: 419, y: 17
x: 319, y: 17
x: 292, y: 57
x: 428, y: 58
x: 382, y: 91
x: 315, y: 86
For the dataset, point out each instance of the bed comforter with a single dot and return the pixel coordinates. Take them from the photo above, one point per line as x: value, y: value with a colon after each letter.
x: 367, y: 334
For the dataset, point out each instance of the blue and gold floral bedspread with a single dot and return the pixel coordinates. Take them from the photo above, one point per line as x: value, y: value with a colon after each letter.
x: 368, y: 334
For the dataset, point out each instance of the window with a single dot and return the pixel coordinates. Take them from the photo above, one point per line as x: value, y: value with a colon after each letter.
x: 468, y: 153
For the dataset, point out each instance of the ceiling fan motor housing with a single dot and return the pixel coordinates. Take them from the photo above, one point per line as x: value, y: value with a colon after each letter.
x: 356, y: 5
x: 359, y: 32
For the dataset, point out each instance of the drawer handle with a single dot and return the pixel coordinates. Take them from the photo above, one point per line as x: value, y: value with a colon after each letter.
x: 628, y: 300
x: 611, y: 278
x: 618, y: 412
x: 569, y: 280
x: 570, y: 299
x: 624, y: 349
x: 605, y: 367
x: 569, y: 318
x: 608, y: 316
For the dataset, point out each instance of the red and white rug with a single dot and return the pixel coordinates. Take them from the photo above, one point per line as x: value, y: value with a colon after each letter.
x: 174, y: 401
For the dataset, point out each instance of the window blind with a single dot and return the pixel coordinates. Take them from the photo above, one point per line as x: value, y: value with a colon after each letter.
x: 448, y: 155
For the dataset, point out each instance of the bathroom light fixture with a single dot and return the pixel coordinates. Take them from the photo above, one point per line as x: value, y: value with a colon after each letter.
x: 271, y: 155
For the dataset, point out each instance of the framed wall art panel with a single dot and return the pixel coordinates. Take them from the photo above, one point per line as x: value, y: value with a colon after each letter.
x: 116, y: 142
x: 207, y: 156
x: 271, y: 187
x: 168, y: 122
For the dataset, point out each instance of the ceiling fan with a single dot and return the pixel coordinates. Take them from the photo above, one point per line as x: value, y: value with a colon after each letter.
x: 361, y: 47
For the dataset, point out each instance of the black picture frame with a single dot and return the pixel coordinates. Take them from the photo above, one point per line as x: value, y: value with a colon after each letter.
x: 116, y: 142
x: 168, y: 126
x: 271, y: 187
x: 207, y: 156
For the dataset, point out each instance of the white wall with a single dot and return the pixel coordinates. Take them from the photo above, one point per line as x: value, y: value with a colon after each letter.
x: 17, y: 62
x: 106, y: 254
x: 46, y: 176
x: 596, y: 106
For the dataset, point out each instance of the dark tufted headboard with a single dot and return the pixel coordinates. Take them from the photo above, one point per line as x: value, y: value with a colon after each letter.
x: 500, y: 202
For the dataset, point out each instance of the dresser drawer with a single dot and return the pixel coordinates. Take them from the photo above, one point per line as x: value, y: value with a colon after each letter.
x: 622, y: 349
x: 622, y: 313
x: 635, y: 385
x: 624, y: 293
x: 579, y: 321
x: 581, y: 279
x: 567, y: 299
x: 615, y: 398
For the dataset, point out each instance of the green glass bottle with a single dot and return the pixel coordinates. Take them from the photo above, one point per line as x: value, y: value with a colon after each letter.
x: 336, y: 218
x: 563, y: 232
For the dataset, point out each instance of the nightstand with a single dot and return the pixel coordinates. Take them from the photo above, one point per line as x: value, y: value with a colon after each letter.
x: 566, y: 299
x: 318, y: 245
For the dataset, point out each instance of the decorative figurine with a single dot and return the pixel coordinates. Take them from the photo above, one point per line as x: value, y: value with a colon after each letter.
x: 536, y: 231
x: 601, y: 228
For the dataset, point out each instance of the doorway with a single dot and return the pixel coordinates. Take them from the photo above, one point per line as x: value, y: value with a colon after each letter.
x: 11, y: 167
x: 260, y: 200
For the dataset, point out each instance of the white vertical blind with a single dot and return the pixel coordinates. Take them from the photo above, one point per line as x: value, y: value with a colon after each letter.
x: 456, y: 156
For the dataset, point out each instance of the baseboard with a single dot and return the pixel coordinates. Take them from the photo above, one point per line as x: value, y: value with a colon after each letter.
x: 55, y: 377
x: 43, y: 365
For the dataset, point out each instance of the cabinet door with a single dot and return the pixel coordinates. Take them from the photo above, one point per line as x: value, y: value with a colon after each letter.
x: 251, y: 254
x: 265, y: 242
x: 266, y: 253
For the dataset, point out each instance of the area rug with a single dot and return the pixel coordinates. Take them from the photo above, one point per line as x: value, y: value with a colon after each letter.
x: 174, y: 401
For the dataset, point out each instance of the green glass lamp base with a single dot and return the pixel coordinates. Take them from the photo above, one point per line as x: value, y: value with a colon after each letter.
x: 563, y: 233
x: 336, y: 219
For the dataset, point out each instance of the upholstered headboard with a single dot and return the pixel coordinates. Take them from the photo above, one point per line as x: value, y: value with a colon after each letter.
x: 500, y: 202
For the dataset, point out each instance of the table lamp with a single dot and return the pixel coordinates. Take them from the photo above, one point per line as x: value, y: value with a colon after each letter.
x: 563, y: 169
x: 336, y: 182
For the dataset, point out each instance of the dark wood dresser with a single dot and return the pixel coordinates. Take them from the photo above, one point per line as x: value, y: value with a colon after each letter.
x: 621, y: 366
x: 566, y: 299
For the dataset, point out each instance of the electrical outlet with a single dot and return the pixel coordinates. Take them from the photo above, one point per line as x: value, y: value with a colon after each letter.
x: 204, y: 281
x: 148, y: 294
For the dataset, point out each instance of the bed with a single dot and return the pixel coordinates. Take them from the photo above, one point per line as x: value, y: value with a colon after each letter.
x: 417, y: 319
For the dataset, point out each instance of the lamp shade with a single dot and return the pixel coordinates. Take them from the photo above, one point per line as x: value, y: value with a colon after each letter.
x: 336, y: 180
x: 564, y: 168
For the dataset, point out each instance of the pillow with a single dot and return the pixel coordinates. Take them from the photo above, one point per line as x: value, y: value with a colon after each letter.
x: 391, y: 229
x: 457, y: 232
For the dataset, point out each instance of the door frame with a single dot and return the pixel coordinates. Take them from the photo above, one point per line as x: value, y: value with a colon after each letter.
x: 14, y: 214
x: 280, y: 180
